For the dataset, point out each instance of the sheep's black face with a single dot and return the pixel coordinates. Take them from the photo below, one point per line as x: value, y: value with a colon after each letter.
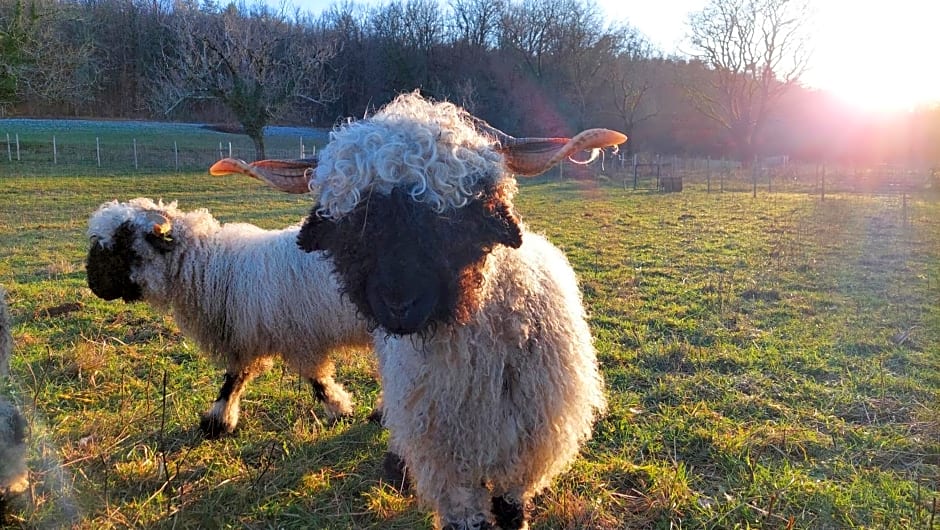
x: 109, y: 268
x: 407, y: 267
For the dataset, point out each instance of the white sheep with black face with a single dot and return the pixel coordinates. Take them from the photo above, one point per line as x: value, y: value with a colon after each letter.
x: 489, y: 373
x: 242, y: 293
x: 14, y: 475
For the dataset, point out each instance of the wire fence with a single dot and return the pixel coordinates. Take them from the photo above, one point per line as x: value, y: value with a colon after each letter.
x: 653, y: 172
x: 125, y: 149
x: 160, y: 152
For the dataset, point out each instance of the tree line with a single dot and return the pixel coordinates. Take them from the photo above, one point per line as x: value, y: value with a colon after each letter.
x: 529, y: 67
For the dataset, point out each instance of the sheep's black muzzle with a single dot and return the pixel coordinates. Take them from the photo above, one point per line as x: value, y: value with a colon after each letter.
x: 108, y: 272
x: 405, y: 304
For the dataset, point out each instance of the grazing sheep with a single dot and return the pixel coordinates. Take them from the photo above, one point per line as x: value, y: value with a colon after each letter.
x: 14, y: 477
x: 244, y: 294
x: 489, y: 374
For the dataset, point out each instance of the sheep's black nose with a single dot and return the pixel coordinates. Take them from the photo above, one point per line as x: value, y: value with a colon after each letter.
x: 403, y: 303
x: 399, y: 307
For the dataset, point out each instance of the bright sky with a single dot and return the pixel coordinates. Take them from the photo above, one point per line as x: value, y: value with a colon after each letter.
x: 874, y: 54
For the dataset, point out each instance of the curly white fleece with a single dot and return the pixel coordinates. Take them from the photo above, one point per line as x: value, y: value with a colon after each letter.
x: 14, y: 477
x: 431, y: 149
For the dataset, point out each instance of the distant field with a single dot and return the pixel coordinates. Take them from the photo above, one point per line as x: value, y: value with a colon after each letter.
x: 51, y: 147
x: 771, y: 362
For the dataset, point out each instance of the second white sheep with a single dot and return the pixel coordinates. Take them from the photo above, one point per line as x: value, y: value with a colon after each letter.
x: 240, y: 292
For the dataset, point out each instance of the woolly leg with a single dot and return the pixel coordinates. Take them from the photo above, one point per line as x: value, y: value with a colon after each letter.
x: 464, y: 508
x: 335, y: 399
x: 222, y: 418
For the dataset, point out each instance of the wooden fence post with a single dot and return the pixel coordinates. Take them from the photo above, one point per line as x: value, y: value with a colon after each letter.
x: 754, y: 171
x: 822, y: 186
x: 708, y: 174
x: 721, y: 176
x: 634, y: 172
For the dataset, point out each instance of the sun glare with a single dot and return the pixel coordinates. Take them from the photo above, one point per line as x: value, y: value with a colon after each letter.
x: 876, y: 55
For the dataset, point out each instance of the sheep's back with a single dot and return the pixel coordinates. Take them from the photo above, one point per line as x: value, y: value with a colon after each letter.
x: 253, y: 292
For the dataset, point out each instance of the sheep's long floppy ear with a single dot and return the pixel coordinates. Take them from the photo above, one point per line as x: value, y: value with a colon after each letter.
x: 291, y: 176
x: 505, y: 225
x: 313, y: 232
x: 495, y: 221
x: 528, y: 157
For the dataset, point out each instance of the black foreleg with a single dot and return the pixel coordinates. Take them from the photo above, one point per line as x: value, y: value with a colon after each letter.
x: 222, y: 418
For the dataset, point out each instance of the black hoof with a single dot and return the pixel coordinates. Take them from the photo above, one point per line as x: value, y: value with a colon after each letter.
x: 509, y: 513
x: 212, y: 428
x: 340, y: 418
x: 375, y: 416
x: 395, y: 471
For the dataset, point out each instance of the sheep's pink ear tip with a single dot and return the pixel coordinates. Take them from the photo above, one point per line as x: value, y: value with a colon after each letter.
x: 226, y: 166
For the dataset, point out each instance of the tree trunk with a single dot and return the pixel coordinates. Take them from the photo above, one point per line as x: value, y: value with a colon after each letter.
x: 257, y: 138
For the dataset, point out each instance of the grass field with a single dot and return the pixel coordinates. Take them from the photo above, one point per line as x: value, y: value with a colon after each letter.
x: 771, y: 362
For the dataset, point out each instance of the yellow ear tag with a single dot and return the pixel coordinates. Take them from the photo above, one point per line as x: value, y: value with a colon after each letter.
x: 163, y: 231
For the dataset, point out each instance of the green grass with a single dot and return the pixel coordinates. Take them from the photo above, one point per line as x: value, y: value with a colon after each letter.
x: 771, y: 362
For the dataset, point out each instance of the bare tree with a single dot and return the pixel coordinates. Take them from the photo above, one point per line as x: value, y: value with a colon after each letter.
x: 424, y: 33
x: 46, y: 53
x: 581, y: 49
x: 343, y: 24
x: 256, y: 64
x: 476, y: 22
x: 631, y: 77
x: 530, y: 30
x: 753, y: 52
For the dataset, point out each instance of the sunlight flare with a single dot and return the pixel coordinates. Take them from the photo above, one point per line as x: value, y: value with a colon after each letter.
x: 877, y: 58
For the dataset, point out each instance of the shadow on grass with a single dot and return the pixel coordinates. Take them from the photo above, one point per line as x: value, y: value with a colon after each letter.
x: 269, y: 481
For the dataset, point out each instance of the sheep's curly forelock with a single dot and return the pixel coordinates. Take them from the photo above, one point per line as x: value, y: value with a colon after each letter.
x: 102, y: 226
x: 430, y: 150
x: 112, y: 214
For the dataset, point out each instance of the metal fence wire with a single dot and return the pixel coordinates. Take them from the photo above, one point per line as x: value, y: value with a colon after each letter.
x: 157, y: 150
